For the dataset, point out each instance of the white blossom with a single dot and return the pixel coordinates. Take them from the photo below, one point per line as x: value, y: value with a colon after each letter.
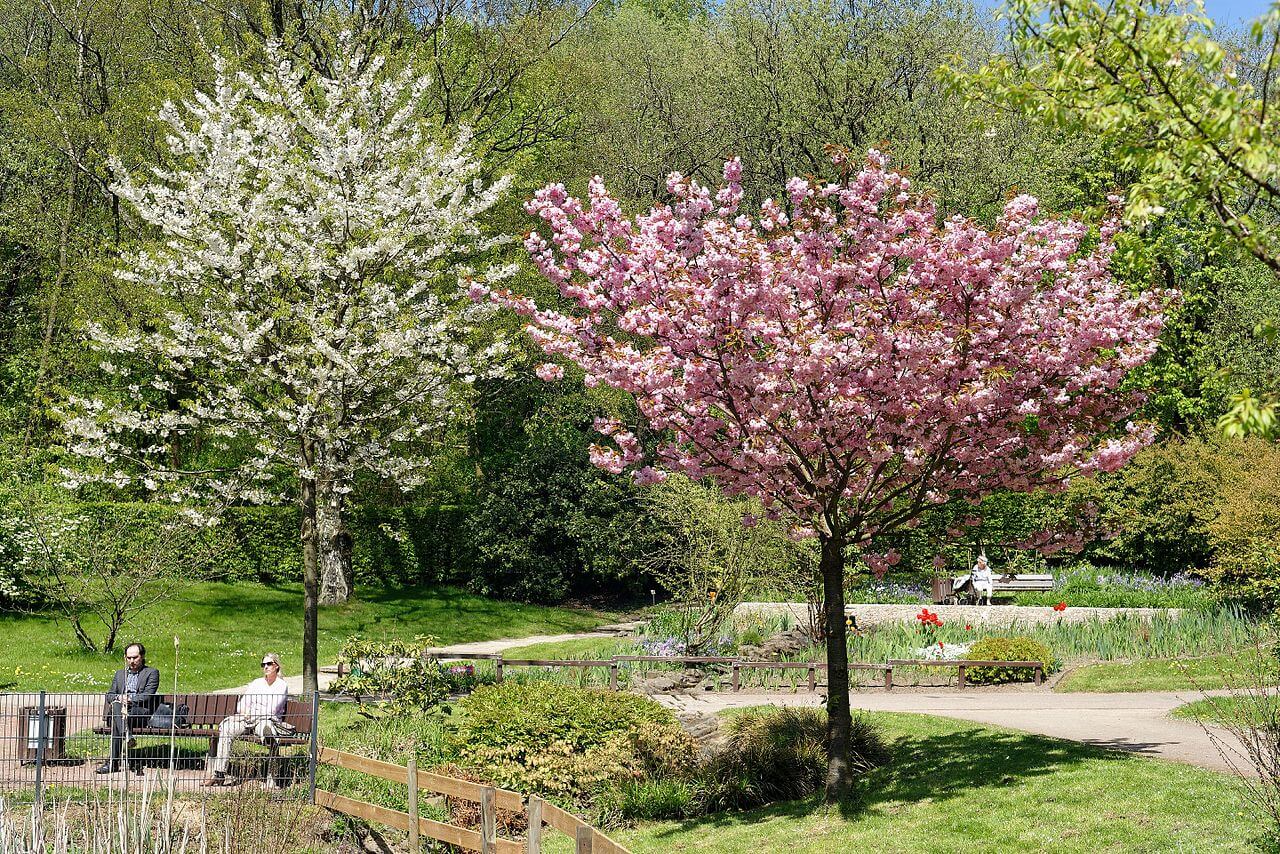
x: 312, y: 233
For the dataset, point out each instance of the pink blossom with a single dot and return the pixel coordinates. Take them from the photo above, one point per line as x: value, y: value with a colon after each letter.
x: 847, y: 358
x: 547, y: 371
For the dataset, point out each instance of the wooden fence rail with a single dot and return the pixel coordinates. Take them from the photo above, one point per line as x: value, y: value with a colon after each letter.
x: 736, y: 665
x: 963, y: 664
x: 587, y: 839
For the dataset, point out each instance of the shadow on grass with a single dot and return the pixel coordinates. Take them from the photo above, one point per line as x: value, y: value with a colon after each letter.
x: 930, y: 767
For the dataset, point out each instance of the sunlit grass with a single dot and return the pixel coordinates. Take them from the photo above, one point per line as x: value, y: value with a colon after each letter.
x: 223, y: 628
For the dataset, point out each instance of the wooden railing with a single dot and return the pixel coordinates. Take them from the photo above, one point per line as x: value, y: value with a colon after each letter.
x: 963, y: 664
x: 587, y: 839
x: 736, y: 665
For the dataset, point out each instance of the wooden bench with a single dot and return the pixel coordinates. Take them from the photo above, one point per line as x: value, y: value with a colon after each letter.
x: 1038, y: 582
x: 206, y: 711
x: 945, y: 594
x: 963, y: 664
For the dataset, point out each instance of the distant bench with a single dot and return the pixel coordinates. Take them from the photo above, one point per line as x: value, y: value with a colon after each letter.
x: 206, y: 711
x: 945, y: 594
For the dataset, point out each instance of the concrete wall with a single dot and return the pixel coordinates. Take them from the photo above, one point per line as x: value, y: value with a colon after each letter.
x: 984, y: 615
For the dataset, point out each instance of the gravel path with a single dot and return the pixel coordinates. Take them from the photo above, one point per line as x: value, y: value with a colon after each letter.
x: 1133, y: 722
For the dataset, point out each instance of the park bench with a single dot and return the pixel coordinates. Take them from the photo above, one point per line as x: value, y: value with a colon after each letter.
x: 206, y: 711
x: 945, y: 594
x: 963, y: 664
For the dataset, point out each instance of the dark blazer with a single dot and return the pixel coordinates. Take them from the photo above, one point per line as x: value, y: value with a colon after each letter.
x: 145, y: 698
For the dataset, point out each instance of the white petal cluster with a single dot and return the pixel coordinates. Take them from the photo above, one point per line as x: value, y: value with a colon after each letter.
x: 315, y: 237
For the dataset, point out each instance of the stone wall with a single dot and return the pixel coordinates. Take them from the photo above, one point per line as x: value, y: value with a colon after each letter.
x: 985, y: 615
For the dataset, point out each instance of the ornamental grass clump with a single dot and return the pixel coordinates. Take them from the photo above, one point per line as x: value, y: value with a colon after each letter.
x: 1007, y: 649
x: 779, y: 755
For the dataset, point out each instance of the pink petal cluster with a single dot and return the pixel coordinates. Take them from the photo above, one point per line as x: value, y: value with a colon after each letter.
x: 847, y: 356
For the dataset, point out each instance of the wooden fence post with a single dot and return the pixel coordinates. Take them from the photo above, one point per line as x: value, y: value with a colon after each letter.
x: 583, y: 840
x: 488, y: 820
x: 414, y: 843
x: 813, y: 679
x: 533, y: 840
x: 960, y: 668
x: 613, y: 676
x: 888, y: 678
x: 497, y: 669
x: 737, y: 684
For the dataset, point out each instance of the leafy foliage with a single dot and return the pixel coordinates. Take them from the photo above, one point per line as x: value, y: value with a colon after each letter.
x: 1007, y: 649
x: 1245, y: 531
x: 545, y: 522
x: 395, y: 674
x: 566, y: 743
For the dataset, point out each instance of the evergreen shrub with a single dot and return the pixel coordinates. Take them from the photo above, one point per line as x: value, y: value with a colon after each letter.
x: 1006, y: 649
x: 567, y: 743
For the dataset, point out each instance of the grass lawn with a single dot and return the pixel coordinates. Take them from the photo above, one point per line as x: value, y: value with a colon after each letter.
x: 584, y: 648
x: 1254, y: 710
x: 955, y: 786
x: 223, y: 628
x: 1208, y: 673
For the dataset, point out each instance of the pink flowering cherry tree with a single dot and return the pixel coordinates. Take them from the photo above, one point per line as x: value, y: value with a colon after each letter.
x: 845, y: 357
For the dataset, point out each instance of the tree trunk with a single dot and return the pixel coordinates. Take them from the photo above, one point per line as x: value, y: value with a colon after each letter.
x: 839, y: 718
x: 310, y: 582
x: 333, y: 545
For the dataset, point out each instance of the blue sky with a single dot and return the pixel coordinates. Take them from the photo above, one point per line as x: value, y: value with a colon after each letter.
x: 1229, y: 12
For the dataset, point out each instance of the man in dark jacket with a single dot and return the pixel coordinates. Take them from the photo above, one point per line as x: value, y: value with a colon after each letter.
x: 130, y: 701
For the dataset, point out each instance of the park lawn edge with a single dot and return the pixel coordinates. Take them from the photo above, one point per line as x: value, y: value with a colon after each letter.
x: 957, y: 785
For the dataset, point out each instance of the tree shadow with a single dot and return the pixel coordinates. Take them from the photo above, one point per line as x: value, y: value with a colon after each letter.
x: 931, y: 767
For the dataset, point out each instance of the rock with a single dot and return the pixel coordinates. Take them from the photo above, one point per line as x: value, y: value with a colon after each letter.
x: 704, y: 729
x: 790, y: 643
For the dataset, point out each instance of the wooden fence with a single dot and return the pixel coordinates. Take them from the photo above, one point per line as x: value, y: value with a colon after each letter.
x: 587, y: 839
x: 736, y: 665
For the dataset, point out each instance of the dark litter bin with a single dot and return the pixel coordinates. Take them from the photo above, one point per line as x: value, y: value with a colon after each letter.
x: 55, y: 733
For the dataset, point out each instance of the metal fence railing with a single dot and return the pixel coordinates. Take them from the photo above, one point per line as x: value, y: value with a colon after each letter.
x: 81, y: 742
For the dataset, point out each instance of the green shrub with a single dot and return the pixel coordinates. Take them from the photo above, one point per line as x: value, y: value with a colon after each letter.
x: 776, y: 755
x: 1007, y: 649
x: 1246, y: 530
x: 565, y: 743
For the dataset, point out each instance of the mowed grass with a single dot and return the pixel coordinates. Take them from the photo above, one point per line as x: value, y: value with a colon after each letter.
x: 955, y: 786
x: 223, y: 628
x: 1251, y: 710
x: 1208, y: 673
x: 582, y: 648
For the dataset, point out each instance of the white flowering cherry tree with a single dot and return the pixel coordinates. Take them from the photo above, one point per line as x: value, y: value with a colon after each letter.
x: 317, y: 241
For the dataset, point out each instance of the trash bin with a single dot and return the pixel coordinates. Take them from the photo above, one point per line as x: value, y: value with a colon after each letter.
x: 943, y: 589
x: 55, y: 733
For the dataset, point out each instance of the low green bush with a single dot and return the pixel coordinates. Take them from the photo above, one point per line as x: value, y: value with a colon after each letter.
x: 1007, y: 649
x: 777, y: 755
x: 566, y: 743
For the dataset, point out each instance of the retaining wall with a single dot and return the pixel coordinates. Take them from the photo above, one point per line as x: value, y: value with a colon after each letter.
x: 984, y: 615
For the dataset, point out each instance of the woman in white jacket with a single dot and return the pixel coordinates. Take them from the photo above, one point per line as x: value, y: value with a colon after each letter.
x: 981, y: 577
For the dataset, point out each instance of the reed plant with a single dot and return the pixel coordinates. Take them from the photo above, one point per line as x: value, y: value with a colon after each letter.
x: 155, y: 822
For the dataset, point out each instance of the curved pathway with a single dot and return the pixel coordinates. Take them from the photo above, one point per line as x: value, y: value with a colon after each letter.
x: 1131, y: 722
x: 1137, y: 722
x: 487, y: 647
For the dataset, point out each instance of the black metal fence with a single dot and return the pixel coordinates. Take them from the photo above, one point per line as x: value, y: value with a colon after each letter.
x: 81, y: 744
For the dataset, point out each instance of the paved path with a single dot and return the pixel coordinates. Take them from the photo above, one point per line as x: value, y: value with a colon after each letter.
x: 1134, y: 723
x: 489, y: 647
